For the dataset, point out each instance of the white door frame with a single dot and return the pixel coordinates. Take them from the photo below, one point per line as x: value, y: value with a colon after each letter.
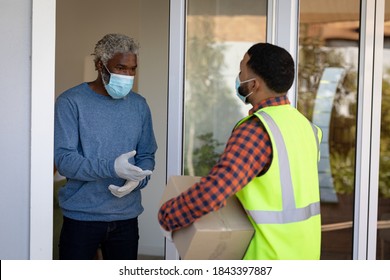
x: 368, y: 129
x: 42, y: 128
x: 177, y: 14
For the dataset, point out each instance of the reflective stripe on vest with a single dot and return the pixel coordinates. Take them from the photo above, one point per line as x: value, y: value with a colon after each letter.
x: 290, y: 213
x: 315, y: 130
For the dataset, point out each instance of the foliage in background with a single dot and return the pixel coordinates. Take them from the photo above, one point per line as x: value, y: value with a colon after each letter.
x: 314, y: 58
x: 343, y: 171
x: 205, y: 111
x: 210, y: 107
x: 384, y: 164
x: 205, y: 157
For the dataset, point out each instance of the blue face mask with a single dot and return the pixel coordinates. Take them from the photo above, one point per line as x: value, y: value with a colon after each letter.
x: 243, y: 98
x: 119, y: 85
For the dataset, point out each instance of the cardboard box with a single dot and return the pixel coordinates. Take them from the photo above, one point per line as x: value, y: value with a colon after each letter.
x: 221, y: 235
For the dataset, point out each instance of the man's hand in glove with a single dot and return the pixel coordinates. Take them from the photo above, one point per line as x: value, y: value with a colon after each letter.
x: 127, y: 188
x: 128, y: 171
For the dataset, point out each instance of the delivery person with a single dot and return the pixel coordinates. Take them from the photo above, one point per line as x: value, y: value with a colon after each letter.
x: 269, y: 163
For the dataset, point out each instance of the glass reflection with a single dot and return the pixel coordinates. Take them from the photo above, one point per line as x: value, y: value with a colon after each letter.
x: 215, y: 44
x: 327, y: 94
x: 383, y: 238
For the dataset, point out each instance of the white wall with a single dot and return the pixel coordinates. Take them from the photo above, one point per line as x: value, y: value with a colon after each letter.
x: 80, y: 24
x: 15, y: 50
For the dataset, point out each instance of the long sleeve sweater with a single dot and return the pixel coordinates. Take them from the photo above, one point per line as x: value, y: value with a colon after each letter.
x: 91, y: 131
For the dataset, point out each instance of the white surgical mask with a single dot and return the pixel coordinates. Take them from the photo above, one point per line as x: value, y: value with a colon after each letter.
x: 119, y: 85
x: 243, y: 98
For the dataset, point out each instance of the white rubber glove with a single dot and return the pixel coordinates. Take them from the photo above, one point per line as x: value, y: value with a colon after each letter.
x: 126, y: 170
x: 127, y: 188
x: 166, y: 234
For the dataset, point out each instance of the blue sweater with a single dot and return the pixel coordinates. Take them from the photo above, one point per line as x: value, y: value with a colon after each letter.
x: 91, y: 131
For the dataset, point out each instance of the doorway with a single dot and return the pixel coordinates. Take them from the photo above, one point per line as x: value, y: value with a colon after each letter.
x: 77, y: 30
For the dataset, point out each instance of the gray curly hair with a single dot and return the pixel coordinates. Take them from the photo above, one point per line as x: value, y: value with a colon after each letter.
x: 112, y: 44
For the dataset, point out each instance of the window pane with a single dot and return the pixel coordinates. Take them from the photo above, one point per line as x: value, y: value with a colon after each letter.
x: 383, y: 238
x: 327, y: 94
x: 219, y: 32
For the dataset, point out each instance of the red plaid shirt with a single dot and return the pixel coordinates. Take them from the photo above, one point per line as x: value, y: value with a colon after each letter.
x: 248, y: 152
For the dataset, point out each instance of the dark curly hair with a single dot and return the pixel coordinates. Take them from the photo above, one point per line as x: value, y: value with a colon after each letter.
x: 273, y: 64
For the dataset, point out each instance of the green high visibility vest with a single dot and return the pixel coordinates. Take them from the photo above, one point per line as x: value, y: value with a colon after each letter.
x: 283, y: 204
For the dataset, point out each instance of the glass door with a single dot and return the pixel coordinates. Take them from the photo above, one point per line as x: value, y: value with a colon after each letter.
x: 207, y: 45
x: 335, y: 45
x: 383, y: 225
x: 218, y: 33
x: 340, y: 47
x: 327, y: 95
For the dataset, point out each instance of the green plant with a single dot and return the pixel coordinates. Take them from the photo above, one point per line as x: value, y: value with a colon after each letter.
x: 210, y: 105
x: 384, y: 175
x: 343, y: 171
x: 205, y: 157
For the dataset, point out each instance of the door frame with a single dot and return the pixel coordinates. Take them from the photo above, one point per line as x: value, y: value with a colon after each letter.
x: 368, y: 129
x: 42, y: 128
